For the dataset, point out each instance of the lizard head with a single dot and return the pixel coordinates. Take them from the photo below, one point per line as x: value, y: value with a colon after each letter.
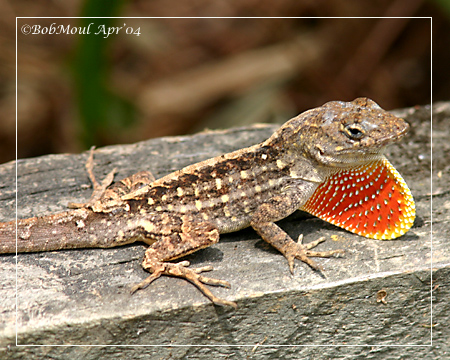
x: 343, y: 134
x: 362, y: 192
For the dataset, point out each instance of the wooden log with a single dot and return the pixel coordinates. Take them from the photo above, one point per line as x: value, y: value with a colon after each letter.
x: 82, y: 297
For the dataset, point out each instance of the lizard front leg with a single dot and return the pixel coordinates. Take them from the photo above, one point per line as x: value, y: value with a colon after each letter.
x: 192, y: 237
x: 276, y: 209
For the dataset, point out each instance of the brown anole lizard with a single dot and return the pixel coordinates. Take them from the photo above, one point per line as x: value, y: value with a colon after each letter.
x: 327, y: 161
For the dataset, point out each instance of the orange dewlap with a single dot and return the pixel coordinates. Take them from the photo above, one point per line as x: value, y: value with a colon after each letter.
x: 371, y: 200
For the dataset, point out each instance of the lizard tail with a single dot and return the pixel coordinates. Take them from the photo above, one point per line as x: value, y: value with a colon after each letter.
x: 68, y: 230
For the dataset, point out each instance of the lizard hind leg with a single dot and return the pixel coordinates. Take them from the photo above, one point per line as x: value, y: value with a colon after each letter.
x: 176, y: 245
x: 99, y: 189
x: 106, y: 192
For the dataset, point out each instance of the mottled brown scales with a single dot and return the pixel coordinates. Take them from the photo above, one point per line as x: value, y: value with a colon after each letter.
x: 187, y: 210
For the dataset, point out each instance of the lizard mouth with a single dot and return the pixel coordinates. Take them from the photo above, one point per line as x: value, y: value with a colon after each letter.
x: 343, y: 157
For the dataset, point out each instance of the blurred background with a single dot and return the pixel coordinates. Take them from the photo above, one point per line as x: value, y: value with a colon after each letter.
x: 180, y: 76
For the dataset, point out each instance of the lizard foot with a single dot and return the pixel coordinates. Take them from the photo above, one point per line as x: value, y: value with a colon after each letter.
x: 302, y: 252
x: 158, y: 268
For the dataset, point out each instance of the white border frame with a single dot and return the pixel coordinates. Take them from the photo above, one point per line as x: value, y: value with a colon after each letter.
x: 244, y: 345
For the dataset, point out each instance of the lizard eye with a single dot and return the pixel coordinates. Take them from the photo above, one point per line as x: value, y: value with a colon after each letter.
x: 353, y: 131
